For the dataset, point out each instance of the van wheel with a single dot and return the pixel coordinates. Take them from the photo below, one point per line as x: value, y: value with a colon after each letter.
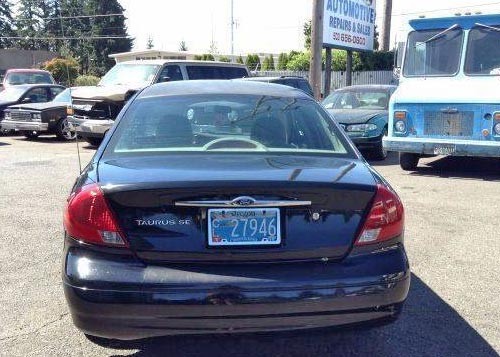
x: 408, y: 161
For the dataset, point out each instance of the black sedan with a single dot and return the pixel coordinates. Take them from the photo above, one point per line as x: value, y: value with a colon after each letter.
x: 27, y: 93
x: 362, y: 111
x: 33, y: 119
x: 230, y: 206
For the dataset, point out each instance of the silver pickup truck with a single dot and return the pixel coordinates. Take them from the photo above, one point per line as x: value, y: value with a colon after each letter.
x: 95, y: 108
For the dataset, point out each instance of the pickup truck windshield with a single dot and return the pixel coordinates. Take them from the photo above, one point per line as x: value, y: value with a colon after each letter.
x: 483, y: 58
x: 433, y: 52
x: 130, y: 74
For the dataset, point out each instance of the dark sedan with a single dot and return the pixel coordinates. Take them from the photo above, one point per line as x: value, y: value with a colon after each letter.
x: 33, y: 119
x: 363, y: 113
x: 27, y: 93
x: 230, y: 206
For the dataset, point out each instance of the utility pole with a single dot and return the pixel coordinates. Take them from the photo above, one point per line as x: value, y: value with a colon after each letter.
x: 328, y: 72
x: 316, y: 47
x: 232, y: 30
x: 348, y: 69
x: 385, y: 30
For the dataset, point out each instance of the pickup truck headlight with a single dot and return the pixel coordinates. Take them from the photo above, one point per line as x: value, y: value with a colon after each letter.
x: 7, y: 116
x: 361, y: 127
x: 36, y: 117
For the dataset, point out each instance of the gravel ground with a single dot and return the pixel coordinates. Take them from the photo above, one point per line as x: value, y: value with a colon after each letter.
x: 452, y: 238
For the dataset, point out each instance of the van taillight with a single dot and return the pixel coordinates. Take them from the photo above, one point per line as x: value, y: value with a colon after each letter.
x: 385, y: 220
x: 88, y: 218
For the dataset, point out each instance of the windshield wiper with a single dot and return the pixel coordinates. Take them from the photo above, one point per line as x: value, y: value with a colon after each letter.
x: 487, y: 27
x: 439, y: 35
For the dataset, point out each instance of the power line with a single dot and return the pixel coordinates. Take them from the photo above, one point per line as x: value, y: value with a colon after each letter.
x: 449, y: 8
x: 63, y: 38
x: 69, y: 17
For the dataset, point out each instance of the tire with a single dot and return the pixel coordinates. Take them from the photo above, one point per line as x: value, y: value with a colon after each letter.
x: 408, y: 161
x: 31, y: 135
x: 379, y: 153
x: 63, y: 131
x: 93, y: 141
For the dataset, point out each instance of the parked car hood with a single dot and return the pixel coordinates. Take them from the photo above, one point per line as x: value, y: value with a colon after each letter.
x: 39, y: 106
x: 355, y: 116
x: 112, y: 93
x: 187, y: 171
x: 4, y: 104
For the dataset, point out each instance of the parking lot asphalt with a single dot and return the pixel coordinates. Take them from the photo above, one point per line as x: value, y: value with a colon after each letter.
x: 452, y: 238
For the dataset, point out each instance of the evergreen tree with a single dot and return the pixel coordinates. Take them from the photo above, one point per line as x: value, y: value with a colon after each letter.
x: 29, y: 25
x: 282, y: 61
x: 112, y: 26
x: 182, y: 46
x: 6, y: 23
x: 253, y: 62
x: 271, y: 62
x: 239, y: 60
x: 149, y: 43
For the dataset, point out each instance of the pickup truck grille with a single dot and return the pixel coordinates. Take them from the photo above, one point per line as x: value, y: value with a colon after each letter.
x: 460, y: 123
x: 20, y: 116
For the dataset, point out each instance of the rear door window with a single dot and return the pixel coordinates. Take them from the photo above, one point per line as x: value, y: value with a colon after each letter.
x: 215, y: 72
x: 173, y: 72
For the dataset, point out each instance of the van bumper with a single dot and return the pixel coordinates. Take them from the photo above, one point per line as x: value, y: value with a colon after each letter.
x: 443, y: 147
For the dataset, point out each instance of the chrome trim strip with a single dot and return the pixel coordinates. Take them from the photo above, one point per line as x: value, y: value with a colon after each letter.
x: 228, y: 204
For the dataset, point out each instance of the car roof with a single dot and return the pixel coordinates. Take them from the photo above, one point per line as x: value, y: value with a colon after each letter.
x: 235, y: 86
x: 161, y: 62
x: 367, y: 86
x: 29, y: 70
x: 272, y: 78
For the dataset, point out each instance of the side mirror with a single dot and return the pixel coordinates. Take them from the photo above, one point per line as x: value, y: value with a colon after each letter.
x: 26, y: 100
x: 164, y: 79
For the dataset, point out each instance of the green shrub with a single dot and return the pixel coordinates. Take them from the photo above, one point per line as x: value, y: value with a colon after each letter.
x: 64, y: 70
x: 224, y: 59
x: 86, y: 80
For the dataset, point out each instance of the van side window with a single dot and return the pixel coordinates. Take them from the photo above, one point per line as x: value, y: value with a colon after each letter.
x: 171, y: 71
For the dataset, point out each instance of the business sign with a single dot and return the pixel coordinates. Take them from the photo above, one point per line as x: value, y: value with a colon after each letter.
x: 349, y: 24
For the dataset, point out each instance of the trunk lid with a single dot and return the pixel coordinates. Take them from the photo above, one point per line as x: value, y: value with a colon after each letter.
x: 143, y: 193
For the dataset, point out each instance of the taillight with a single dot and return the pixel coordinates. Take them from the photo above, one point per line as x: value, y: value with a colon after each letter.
x: 88, y: 218
x: 386, y: 218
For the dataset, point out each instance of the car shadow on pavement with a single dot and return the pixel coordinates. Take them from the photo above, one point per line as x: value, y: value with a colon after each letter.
x: 428, y: 326
x: 487, y: 169
x: 391, y: 159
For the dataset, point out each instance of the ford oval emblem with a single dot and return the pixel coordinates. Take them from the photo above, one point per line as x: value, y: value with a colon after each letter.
x: 243, y: 201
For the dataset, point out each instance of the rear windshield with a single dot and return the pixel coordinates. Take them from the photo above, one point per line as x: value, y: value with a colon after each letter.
x: 16, y: 78
x: 215, y: 72
x: 226, y: 123
x: 358, y: 99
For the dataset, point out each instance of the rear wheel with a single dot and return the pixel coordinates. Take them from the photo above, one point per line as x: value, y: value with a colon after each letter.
x: 408, y: 161
x: 31, y: 134
x: 93, y: 141
x: 63, y: 130
x: 379, y: 153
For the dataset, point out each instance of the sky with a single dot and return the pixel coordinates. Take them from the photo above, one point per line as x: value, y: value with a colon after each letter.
x: 269, y: 26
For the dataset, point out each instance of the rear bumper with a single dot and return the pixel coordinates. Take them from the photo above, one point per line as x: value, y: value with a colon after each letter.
x: 86, y: 127
x: 124, y: 299
x: 440, y: 146
x: 24, y: 125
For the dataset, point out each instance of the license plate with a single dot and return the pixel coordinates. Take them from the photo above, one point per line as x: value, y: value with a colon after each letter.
x: 244, y: 226
x: 444, y: 149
